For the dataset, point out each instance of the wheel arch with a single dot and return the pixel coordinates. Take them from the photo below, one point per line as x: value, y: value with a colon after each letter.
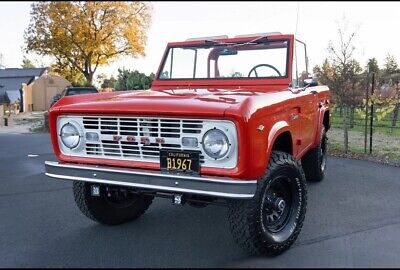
x: 324, y: 120
x: 327, y: 120
x: 279, y: 138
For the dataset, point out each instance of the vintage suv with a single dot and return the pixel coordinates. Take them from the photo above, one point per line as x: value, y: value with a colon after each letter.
x: 233, y: 121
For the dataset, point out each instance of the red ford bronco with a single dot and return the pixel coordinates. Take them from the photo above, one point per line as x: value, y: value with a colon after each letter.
x: 233, y: 121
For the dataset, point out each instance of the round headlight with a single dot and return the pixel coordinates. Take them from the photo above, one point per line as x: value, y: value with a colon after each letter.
x: 215, y: 143
x: 70, y: 135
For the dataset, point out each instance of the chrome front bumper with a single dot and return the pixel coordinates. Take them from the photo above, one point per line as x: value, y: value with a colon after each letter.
x: 154, y: 180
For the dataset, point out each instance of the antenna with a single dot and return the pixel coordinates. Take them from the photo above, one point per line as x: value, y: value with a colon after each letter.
x: 297, y: 18
x: 295, y: 47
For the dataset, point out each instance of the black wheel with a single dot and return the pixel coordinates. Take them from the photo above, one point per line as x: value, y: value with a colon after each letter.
x: 314, y: 162
x: 270, y: 222
x: 113, y: 206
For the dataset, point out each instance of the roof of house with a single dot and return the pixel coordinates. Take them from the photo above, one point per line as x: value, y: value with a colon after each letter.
x: 13, y: 96
x: 21, y: 72
x: 11, y: 79
x: 12, y: 84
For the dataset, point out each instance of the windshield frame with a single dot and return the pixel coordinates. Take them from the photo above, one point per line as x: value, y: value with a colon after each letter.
x: 228, y: 80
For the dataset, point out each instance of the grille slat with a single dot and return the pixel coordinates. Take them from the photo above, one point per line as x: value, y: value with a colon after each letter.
x: 171, y: 130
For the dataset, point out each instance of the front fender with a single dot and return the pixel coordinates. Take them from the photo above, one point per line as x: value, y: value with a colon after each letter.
x: 264, y: 147
x: 277, y: 129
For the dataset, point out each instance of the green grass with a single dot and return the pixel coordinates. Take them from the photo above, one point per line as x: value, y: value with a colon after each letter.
x: 383, y: 145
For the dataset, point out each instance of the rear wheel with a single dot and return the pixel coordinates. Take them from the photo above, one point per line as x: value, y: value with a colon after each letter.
x: 112, y: 206
x: 270, y: 222
x: 314, y: 162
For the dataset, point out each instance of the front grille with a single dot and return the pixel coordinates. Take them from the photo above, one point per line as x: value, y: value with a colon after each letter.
x: 130, y: 130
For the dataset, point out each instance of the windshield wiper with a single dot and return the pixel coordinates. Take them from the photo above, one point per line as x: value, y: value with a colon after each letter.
x: 217, y: 42
x: 251, y: 42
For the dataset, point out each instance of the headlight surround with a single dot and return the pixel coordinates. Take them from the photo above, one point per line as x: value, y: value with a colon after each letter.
x: 215, y: 143
x: 70, y: 135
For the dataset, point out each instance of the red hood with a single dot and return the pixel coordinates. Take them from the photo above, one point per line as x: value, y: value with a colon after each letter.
x: 191, y: 102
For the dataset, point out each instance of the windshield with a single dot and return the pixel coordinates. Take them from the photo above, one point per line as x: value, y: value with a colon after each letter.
x: 214, y: 60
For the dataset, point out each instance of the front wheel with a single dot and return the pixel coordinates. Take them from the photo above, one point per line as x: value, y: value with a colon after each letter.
x: 113, y: 205
x: 271, y: 221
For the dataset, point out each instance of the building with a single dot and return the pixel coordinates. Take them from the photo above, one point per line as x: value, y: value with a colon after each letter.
x: 12, y: 80
x: 31, y: 88
x: 38, y: 95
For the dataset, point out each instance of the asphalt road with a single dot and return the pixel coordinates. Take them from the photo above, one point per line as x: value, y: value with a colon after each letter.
x: 353, y: 220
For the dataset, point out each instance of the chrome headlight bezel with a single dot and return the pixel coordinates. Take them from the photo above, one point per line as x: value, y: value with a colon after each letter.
x: 77, y: 133
x: 225, y: 147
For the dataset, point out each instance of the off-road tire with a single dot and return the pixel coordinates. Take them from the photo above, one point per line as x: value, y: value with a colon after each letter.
x: 314, y: 162
x: 245, y: 216
x: 98, y: 209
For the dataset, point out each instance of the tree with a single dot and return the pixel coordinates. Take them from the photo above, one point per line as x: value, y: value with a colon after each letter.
x: 81, y: 36
x: 391, y: 66
x: 74, y: 76
x: 106, y: 82
x: 372, y: 66
x: 27, y: 63
x: 341, y: 73
x: 396, y: 100
x: 132, y: 80
x: 109, y: 83
x: 325, y: 73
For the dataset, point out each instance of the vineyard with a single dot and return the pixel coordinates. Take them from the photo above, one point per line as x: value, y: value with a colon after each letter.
x: 369, y: 124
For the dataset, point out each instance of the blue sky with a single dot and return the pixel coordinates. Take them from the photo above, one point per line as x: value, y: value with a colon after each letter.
x: 378, y: 24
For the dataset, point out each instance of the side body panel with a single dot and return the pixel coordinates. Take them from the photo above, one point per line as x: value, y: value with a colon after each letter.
x: 279, y: 112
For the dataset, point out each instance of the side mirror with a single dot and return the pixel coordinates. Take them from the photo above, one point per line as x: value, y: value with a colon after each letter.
x: 310, y: 82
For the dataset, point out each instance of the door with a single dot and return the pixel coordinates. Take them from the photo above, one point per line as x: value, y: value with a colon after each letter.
x: 306, y: 100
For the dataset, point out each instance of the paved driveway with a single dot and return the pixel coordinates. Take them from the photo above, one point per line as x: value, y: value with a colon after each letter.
x: 353, y: 220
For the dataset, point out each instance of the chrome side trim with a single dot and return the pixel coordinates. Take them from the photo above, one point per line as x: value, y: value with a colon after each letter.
x: 153, y: 180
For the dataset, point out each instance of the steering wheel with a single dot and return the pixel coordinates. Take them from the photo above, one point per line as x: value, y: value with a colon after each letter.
x: 264, y: 65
